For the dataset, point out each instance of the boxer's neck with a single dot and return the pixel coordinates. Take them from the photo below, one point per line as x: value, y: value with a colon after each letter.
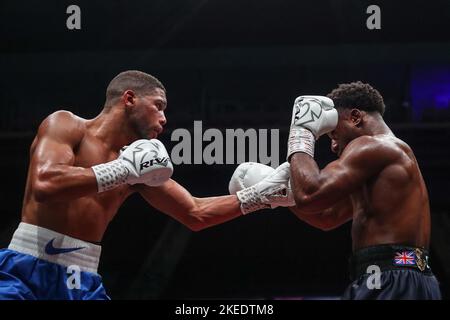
x: 113, y: 128
x: 375, y: 125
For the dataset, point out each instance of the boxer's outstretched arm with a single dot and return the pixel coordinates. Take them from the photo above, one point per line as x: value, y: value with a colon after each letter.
x: 52, y: 172
x: 317, y: 190
x: 196, y: 213
x: 330, y: 218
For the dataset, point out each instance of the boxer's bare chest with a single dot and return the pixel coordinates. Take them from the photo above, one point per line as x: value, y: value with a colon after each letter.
x: 91, y: 151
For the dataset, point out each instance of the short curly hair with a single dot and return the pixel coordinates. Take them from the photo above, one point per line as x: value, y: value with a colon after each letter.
x: 357, y: 95
x: 142, y: 83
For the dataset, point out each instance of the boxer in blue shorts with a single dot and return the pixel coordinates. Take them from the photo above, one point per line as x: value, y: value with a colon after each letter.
x: 79, y: 175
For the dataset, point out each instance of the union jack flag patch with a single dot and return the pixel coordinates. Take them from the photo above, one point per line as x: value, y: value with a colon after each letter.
x: 404, y: 258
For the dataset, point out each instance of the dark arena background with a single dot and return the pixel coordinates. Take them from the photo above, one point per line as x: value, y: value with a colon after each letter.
x: 229, y: 64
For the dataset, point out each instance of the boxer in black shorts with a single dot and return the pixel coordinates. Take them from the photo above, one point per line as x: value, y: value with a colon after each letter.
x: 376, y: 182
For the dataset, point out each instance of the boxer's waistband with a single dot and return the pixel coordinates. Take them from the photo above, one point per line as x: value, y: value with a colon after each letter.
x: 55, y: 247
x: 388, y: 257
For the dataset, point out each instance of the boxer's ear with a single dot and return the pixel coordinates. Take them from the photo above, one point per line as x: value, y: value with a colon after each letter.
x: 356, y: 116
x: 129, y: 98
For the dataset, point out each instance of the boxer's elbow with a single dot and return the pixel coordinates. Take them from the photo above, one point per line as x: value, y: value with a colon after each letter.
x: 195, y: 223
x: 329, y: 223
x: 192, y: 219
x: 202, y: 219
x: 305, y: 202
x: 43, y: 191
x: 300, y: 200
x: 316, y: 219
x: 196, y: 227
x: 44, y: 188
x: 199, y: 217
x: 326, y: 227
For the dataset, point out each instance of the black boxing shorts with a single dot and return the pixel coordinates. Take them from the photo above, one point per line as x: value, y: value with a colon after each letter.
x: 391, y: 272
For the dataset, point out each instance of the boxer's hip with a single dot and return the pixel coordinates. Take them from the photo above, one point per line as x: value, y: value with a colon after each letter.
x: 43, y: 264
x: 389, y: 257
x: 54, y: 247
x: 391, y: 272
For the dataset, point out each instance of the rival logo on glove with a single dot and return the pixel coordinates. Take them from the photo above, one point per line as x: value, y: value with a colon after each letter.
x: 315, y: 112
x: 164, y: 161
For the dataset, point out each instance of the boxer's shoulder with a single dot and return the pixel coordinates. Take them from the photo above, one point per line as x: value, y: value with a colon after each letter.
x: 379, y: 149
x: 63, y: 125
x: 64, y: 117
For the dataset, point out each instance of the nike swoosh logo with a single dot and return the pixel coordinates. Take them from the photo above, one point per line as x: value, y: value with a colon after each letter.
x: 51, y: 250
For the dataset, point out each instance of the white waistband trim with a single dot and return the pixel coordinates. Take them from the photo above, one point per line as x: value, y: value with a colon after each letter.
x: 55, y: 247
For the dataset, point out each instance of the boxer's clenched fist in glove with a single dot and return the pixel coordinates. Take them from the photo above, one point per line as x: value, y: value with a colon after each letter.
x: 248, y: 174
x: 312, y: 116
x: 144, y: 161
x: 258, y: 186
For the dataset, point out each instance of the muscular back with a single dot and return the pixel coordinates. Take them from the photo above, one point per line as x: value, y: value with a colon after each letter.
x: 60, y: 192
x: 392, y: 205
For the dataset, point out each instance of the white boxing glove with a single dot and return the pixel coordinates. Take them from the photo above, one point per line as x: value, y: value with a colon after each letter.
x: 248, y: 174
x: 312, y: 116
x: 144, y: 161
x: 259, y: 187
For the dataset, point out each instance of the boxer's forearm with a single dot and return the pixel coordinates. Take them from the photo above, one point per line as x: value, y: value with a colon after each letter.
x: 212, y: 211
x: 195, y: 213
x: 327, y: 219
x: 63, y: 183
x: 305, y: 181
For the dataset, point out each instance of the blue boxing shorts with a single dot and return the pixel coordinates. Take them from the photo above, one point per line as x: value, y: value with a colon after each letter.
x: 41, y: 264
x: 391, y: 272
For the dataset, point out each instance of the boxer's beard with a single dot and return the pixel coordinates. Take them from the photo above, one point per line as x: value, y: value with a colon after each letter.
x: 142, y: 130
